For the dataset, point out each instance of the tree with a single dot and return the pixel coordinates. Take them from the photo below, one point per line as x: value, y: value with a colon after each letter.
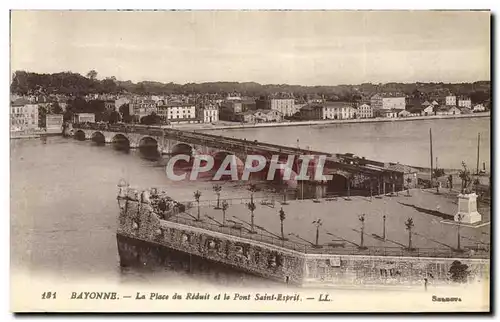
x: 252, y: 188
x: 464, y: 175
x: 217, y: 189
x: 151, y: 119
x: 92, y: 74
x: 409, y: 226
x: 459, y: 219
x: 438, y: 172
x: 318, y: 223
x: 458, y: 272
x: 251, y: 206
x: 56, y: 108
x: 361, y: 219
x: 197, y: 195
x: 282, y: 218
x: 225, y: 206
x: 68, y: 116
x: 125, y: 113
x: 114, y: 117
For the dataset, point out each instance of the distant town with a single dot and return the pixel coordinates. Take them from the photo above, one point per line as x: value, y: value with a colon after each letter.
x: 41, y: 103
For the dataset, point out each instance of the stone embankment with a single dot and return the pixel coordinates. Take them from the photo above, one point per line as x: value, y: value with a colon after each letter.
x: 148, y: 217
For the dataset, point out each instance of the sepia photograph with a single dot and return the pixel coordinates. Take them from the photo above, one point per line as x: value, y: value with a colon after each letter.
x: 250, y: 161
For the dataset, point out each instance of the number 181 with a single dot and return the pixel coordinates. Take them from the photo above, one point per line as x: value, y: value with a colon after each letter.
x: 48, y: 295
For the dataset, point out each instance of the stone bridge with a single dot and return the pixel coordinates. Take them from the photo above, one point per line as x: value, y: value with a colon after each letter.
x: 347, y: 172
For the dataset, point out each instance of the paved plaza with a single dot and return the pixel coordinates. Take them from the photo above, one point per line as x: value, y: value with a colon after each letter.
x: 432, y: 216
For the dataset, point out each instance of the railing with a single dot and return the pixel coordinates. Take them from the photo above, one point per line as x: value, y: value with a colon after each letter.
x: 332, y: 249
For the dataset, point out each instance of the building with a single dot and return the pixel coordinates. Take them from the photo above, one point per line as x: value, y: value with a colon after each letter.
x: 416, y: 110
x: 245, y: 117
x: 177, y: 112
x: 248, y: 104
x: 142, y: 107
x: 404, y: 113
x: 392, y: 113
x: 428, y: 110
x: 121, y: 101
x: 407, y: 177
x: 464, y: 102
x: 311, y: 112
x: 383, y: 101
x: 448, y: 110
x: 23, y: 115
x: 110, y: 105
x: 268, y: 116
x: 229, y: 109
x: 479, y: 108
x: 210, y: 113
x: 338, y: 111
x: 286, y: 106
x: 365, y: 111
x: 451, y: 100
x: 84, y: 118
x: 54, y: 123
x: 259, y: 116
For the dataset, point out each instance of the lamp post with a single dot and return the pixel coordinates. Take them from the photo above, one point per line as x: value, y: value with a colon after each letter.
x: 317, y: 223
x: 383, y: 232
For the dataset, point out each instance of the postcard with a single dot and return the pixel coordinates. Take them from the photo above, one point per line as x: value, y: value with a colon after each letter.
x: 250, y: 161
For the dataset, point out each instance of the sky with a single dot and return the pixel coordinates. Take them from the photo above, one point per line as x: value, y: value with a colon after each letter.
x: 268, y: 47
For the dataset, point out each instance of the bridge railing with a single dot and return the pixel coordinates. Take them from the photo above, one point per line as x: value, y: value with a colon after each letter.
x: 242, y: 230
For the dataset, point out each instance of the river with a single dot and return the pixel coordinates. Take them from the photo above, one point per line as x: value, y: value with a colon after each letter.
x: 454, y: 140
x: 63, y: 191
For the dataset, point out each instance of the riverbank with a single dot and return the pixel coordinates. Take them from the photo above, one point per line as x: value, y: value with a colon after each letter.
x: 34, y: 135
x: 224, y: 125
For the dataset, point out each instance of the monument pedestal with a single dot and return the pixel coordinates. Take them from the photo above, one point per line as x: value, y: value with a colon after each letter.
x: 467, y: 208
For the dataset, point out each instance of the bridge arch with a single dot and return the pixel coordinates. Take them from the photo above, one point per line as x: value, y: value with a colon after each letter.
x: 80, y: 135
x: 338, y: 184
x: 98, y: 137
x: 121, y: 142
x: 149, y: 147
x: 182, y: 148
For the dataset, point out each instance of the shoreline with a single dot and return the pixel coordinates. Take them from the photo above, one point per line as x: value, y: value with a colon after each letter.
x: 16, y: 136
x: 210, y: 127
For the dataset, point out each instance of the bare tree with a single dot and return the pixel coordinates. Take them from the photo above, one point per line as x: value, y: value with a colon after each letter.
x: 217, y: 189
x: 361, y: 219
x: 409, y: 226
x: 225, y: 206
x: 460, y: 217
x: 282, y: 218
x: 252, y: 188
x: 318, y: 223
x: 251, y: 206
x: 197, y: 195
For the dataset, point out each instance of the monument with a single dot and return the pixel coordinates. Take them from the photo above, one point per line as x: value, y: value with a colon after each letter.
x: 467, y: 209
x: 467, y: 200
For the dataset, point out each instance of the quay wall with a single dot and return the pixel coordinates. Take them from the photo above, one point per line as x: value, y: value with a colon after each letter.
x: 139, y: 221
x: 209, y: 127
